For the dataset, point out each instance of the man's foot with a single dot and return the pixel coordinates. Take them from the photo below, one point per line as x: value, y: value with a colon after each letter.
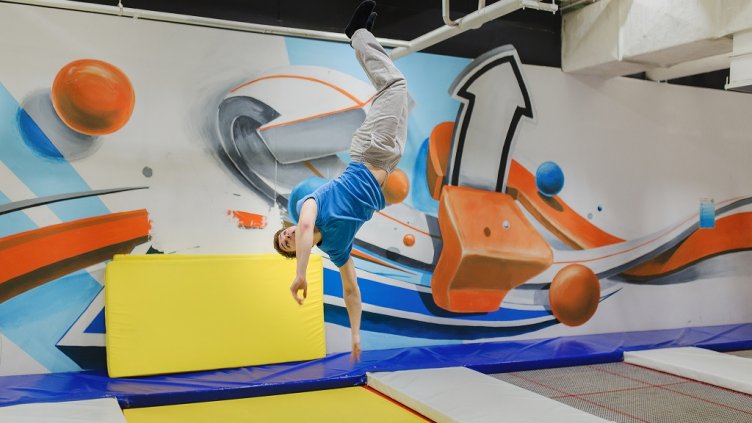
x: 361, y: 17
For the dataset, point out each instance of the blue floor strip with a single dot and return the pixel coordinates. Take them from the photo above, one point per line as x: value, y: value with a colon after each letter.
x: 335, y: 371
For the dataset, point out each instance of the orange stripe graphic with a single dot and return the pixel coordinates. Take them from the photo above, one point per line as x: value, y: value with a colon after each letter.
x: 265, y: 127
x: 731, y: 233
x: 358, y: 103
x: 248, y: 220
x: 28, y: 251
x: 372, y: 259
x: 306, y: 78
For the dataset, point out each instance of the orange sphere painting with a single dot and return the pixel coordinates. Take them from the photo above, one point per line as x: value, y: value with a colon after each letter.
x: 93, y: 97
x: 396, y: 187
x: 408, y: 240
x: 574, y: 294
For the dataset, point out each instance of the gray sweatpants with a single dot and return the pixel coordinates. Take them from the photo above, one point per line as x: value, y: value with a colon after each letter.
x: 380, y: 141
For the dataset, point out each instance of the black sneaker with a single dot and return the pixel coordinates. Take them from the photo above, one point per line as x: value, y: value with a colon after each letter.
x: 361, y: 17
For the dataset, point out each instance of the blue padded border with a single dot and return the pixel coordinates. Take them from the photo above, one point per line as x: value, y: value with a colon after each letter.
x: 335, y: 371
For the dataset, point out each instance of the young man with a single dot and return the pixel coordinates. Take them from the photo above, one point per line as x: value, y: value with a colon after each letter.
x: 332, y: 215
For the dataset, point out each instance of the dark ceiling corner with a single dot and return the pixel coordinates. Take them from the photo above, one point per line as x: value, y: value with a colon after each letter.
x: 535, y: 34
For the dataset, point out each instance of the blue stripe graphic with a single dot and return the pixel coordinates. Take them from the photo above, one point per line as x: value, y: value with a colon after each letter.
x: 396, y: 298
x: 42, y: 176
x: 37, y: 319
x: 12, y: 223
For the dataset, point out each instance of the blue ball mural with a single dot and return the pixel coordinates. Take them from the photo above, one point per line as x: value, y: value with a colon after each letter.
x: 549, y: 179
x: 301, y: 190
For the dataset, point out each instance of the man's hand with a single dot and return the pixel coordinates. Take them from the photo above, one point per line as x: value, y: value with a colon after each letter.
x: 355, y: 354
x: 299, y: 283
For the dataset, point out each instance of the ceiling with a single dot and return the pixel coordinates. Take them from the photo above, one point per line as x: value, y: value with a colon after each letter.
x: 535, y: 34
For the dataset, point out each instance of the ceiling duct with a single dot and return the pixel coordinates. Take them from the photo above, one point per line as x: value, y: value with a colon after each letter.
x: 740, y: 74
x: 667, y: 39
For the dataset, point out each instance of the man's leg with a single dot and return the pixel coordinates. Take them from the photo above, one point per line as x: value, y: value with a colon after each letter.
x: 380, y: 140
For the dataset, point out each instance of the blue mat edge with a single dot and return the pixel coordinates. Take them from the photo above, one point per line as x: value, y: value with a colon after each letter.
x: 335, y: 371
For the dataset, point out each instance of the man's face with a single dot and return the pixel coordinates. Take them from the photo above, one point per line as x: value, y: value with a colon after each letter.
x: 287, y: 239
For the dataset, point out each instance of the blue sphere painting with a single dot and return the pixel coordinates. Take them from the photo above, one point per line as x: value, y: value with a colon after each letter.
x: 549, y: 179
x: 303, y: 189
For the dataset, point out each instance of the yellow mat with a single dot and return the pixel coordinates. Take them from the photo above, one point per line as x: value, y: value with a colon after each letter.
x: 179, y: 313
x: 355, y: 404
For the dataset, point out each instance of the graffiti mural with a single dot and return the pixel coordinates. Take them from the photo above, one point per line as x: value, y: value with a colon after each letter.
x: 528, y: 203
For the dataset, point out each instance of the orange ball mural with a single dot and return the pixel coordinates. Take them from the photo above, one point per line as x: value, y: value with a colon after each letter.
x: 574, y: 294
x: 408, y: 240
x: 93, y: 97
x: 396, y: 187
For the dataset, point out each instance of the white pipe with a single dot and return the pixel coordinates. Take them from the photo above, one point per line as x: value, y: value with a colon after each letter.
x: 196, y: 21
x: 445, y: 13
x: 472, y: 21
x: 694, y: 67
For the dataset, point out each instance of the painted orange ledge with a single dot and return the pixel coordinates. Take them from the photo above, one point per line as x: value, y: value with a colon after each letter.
x: 732, y: 233
x: 32, y: 258
x: 554, y: 214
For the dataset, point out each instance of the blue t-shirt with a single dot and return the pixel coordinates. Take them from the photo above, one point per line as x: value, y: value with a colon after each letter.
x: 343, y: 205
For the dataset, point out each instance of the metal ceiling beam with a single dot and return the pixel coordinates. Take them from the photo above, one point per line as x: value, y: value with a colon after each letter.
x: 127, y: 12
x: 472, y: 21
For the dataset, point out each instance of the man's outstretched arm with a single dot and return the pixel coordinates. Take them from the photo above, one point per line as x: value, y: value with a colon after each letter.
x: 303, y: 246
x: 351, y: 295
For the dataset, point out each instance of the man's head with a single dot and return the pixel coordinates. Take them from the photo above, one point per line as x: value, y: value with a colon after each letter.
x: 284, y: 241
